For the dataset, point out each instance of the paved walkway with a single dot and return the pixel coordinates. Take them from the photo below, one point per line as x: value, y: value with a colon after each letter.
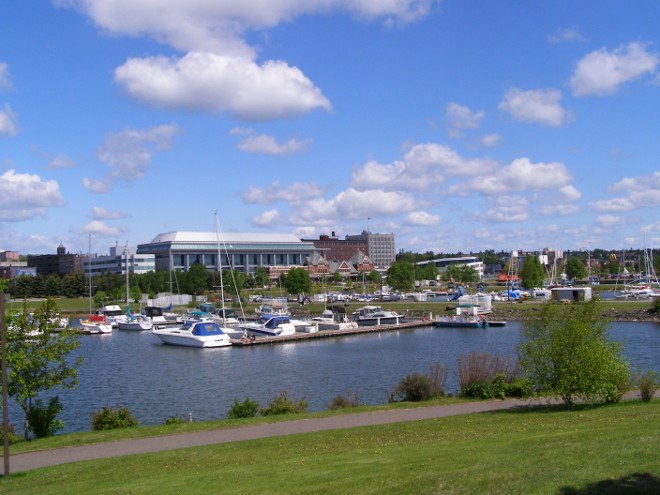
x: 33, y: 460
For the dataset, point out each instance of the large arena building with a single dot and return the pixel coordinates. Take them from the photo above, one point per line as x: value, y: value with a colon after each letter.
x: 240, y: 251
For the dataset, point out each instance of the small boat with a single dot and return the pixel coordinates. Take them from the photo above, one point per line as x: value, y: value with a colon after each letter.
x: 375, y: 315
x: 271, y: 325
x: 194, y: 333
x: 461, y: 319
x: 113, y: 314
x: 95, y: 324
x: 327, y: 321
x: 136, y: 322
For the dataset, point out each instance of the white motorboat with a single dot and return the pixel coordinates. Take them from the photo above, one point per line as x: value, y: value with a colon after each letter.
x: 94, y: 324
x: 271, y: 325
x: 113, y: 314
x: 375, y: 315
x: 327, y: 321
x: 194, y: 333
x: 136, y: 322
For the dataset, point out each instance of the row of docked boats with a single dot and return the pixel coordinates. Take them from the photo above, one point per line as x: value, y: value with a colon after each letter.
x: 208, y: 328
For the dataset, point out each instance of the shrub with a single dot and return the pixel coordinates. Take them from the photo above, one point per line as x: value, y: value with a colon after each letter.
x: 566, y: 351
x: 648, y: 384
x: 245, y: 409
x: 283, y: 404
x: 13, y: 437
x: 109, y: 418
x: 414, y: 387
x: 343, y: 402
x: 175, y: 420
x: 42, y: 420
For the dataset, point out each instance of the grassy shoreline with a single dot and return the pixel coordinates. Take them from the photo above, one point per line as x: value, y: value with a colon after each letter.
x: 534, y: 450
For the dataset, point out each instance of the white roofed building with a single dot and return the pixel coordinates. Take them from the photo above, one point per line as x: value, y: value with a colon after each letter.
x: 240, y: 251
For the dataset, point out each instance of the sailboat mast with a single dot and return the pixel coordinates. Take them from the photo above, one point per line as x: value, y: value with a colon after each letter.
x: 219, y: 264
x: 89, y: 271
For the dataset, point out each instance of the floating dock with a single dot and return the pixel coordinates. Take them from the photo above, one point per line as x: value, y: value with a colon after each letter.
x: 325, y: 334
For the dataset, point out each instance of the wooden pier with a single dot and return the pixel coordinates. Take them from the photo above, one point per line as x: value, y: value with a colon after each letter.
x: 325, y: 334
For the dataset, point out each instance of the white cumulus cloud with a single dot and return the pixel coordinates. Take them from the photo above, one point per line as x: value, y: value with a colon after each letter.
x: 61, y: 161
x: 422, y: 218
x: 25, y: 196
x: 101, y: 229
x: 8, y: 125
x: 220, y: 71
x: 638, y: 192
x: 539, y: 106
x: 602, y: 72
x: 217, y: 83
x: 461, y: 117
x: 269, y: 218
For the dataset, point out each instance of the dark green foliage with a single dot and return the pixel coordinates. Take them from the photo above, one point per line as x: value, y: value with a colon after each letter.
x: 531, y: 273
x: 175, y: 420
x: 415, y: 387
x: 13, y: 437
x: 245, y: 409
x: 283, y: 404
x: 43, y: 420
x: 499, y: 387
x: 648, y: 384
x: 109, y: 418
x: 401, y: 275
x: 566, y: 351
x: 297, y: 281
x: 575, y: 269
x: 343, y: 402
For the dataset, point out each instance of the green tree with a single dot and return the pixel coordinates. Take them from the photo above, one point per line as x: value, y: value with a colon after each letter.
x: 531, y: 274
x: 261, y: 277
x: 575, y: 269
x: 374, y: 277
x: 566, y: 351
x: 297, y: 281
x: 461, y: 273
x: 196, y: 280
x: 38, y: 356
x: 401, y: 275
x: 336, y: 277
x: 426, y: 272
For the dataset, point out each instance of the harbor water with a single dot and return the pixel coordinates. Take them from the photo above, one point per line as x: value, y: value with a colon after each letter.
x: 157, y: 381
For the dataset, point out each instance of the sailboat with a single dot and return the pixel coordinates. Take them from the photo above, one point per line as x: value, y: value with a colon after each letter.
x: 233, y: 332
x: 93, y: 324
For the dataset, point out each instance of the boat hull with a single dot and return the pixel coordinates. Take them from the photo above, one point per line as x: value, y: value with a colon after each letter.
x: 190, y: 341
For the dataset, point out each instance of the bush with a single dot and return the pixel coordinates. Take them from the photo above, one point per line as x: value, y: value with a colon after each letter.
x: 109, y: 418
x: 245, y: 409
x: 42, y: 420
x: 566, y: 351
x: 648, y: 384
x: 415, y: 387
x: 175, y: 420
x: 482, y: 376
x: 343, y: 402
x: 283, y: 404
x: 13, y: 437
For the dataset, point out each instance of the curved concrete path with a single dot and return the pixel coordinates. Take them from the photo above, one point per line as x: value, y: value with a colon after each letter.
x: 33, y: 460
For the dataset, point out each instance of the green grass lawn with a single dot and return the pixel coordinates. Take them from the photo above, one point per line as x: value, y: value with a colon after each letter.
x: 586, y: 450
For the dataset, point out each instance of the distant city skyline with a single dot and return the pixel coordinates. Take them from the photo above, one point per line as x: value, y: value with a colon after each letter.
x: 459, y: 126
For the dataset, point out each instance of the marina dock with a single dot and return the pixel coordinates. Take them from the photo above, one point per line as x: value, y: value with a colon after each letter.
x: 324, y: 334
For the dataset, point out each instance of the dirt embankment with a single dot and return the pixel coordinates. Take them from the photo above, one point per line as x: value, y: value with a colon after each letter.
x: 515, y: 312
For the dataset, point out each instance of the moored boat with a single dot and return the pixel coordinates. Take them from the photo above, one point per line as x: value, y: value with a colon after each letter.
x: 95, y: 324
x: 194, y: 333
x: 271, y: 325
x: 375, y: 315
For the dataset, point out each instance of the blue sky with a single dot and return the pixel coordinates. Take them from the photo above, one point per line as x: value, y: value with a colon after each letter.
x: 456, y: 125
